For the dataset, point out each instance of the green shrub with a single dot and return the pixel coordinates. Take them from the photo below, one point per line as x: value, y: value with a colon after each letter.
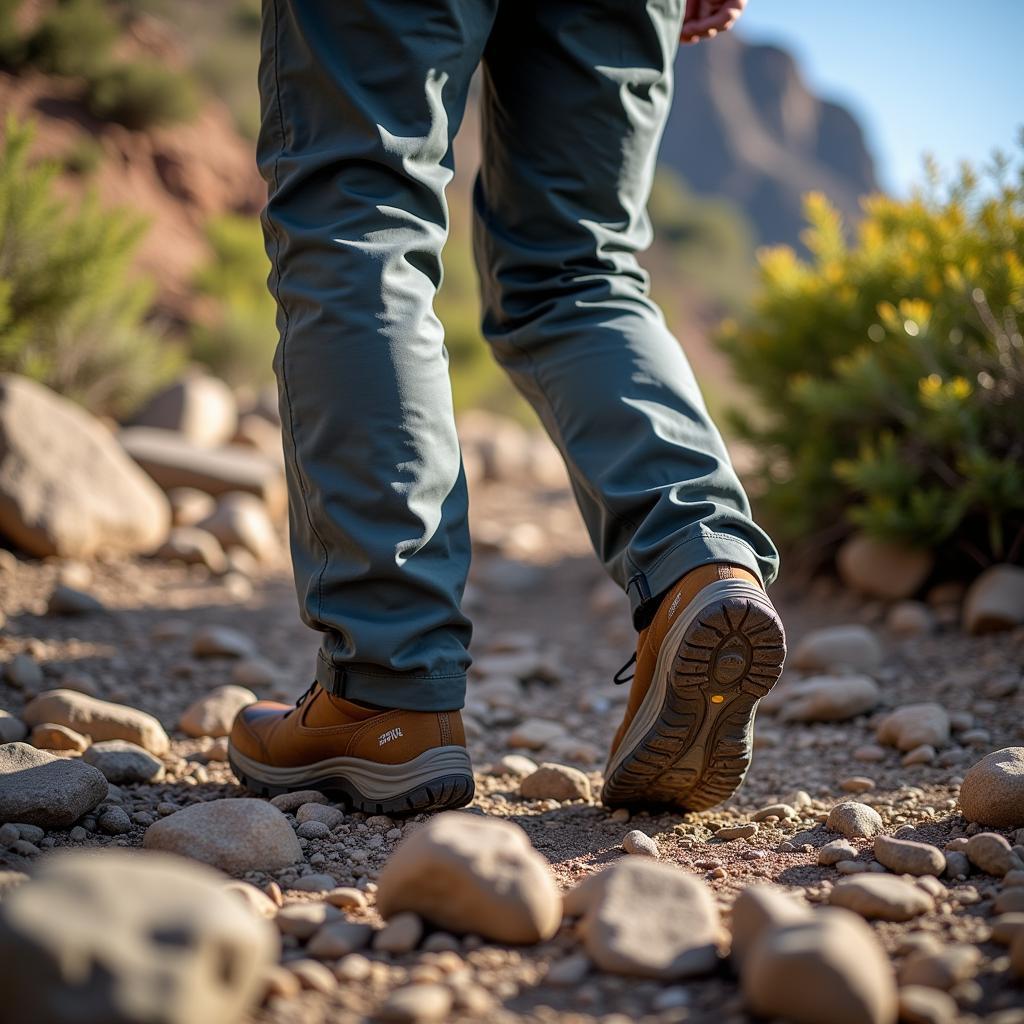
x: 142, y: 96
x: 237, y: 339
x: 12, y: 40
x: 890, y: 371
x: 75, y: 38
x: 73, y: 312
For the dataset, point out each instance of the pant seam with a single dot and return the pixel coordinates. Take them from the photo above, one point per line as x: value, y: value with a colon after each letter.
x: 287, y: 322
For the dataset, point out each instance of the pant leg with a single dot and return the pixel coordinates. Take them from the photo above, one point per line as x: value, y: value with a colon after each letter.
x: 575, y: 97
x: 360, y: 101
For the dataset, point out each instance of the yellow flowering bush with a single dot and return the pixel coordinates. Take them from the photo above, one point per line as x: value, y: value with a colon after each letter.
x: 889, y: 371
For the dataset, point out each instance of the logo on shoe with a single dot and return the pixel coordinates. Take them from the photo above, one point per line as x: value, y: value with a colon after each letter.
x: 391, y: 734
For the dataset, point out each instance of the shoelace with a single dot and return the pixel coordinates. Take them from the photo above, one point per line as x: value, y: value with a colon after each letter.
x: 619, y: 678
x: 302, y: 700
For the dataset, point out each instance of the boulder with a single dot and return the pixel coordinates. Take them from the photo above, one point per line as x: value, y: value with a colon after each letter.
x: 882, y: 569
x: 995, y: 600
x: 234, y: 834
x: 66, y: 487
x: 38, y: 788
x: 853, y: 647
x: 104, y: 937
x: 100, y: 719
x: 992, y: 792
x: 468, y: 874
x: 199, y: 407
x: 827, y: 967
x: 644, y: 918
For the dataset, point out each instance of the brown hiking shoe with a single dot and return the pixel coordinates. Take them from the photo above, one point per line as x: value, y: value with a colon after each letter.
x: 714, y: 648
x: 380, y: 762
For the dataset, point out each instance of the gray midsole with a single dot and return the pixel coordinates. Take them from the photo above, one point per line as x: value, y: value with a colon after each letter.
x: 373, y: 780
x: 648, y: 712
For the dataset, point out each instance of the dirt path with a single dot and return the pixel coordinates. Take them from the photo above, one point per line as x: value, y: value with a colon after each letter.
x: 540, y: 603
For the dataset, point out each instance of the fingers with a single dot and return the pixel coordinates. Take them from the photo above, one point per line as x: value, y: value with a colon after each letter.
x: 704, y: 19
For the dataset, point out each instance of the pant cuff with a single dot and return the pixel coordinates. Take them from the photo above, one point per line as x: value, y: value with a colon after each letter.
x: 391, y: 689
x: 646, y: 587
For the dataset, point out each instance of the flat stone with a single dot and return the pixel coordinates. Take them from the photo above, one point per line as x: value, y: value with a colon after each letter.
x: 881, y: 897
x: 555, y: 782
x: 337, y: 938
x: 40, y: 789
x: 417, y: 1004
x: 915, y: 725
x: 193, y: 546
x: 347, y: 898
x: 316, y: 882
x: 906, y: 857
x: 303, y: 920
x: 50, y: 736
x: 854, y: 647
x: 66, y: 487
x: 69, y: 602
x: 992, y: 853
x: 836, y: 851
x: 643, y: 918
x: 332, y: 817
x: 992, y: 792
x: 469, y: 874
x: 942, y: 968
x: 173, y: 945
x: 214, y: 712
x: 100, y: 719
x: 122, y: 762
x: 832, y: 959
x: 828, y: 698
x: 291, y: 802
x: 857, y: 784
x: 221, y: 642
x: 995, y: 600
x: 854, y: 820
x: 924, y: 754
x: 234, y: 834
x: 400, y: 935
x: 921, y: 1005
x: 733, y: 832
x: 535, y: 733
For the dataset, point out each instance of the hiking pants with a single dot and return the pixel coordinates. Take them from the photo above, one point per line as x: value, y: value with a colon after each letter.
x: 360, y: 102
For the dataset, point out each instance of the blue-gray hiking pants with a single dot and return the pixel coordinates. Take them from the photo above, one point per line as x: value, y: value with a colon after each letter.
x: 360, y: 101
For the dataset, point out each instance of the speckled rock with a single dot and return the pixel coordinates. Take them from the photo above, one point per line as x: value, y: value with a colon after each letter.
x: 992, y: 792
x: 881, y: 897
x: 100, y: 719
x: 647, y: 919
x: 640, y: 844
x: 832, y: 959
x: 169, y: 943
x: 854, y: 820
x: 236, y: 835
x: 38, y: 788
x: 468, y: 874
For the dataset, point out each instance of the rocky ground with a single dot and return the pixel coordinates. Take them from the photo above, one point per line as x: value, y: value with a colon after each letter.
x: 550, y: 632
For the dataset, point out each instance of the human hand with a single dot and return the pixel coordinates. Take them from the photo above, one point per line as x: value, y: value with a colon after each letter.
x: 704, y: 19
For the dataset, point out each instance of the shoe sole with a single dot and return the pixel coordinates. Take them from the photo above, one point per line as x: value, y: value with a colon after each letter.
x: 439, y: 779
x: 691, y: 742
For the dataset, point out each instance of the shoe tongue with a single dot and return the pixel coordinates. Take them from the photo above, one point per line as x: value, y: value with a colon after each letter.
x: 326, y: 710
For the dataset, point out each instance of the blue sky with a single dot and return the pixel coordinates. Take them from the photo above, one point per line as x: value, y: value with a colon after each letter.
x: 921, y: 75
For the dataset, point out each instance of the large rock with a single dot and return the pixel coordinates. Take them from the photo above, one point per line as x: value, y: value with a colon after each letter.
x: 906, y: 857
x: 468, y: 874
x: 882, y: 569
x: 881, y: 897
x: 758, y: 908
x: 174, y: 462
x: 115, y: 938
x: 235, y: 835
x: 853, y: 647
x: 241, y: 520
x: 66, y: 487
x: 992, y: 792
x: 645, y: 918
x: 213, y: 713
x: 199, y: 407
x: 827, y: 698
x: 828, y: 967
x: 854, y: 820
x: 100, y: 719
x: 915, y: 725
x: 995, y: 600
x: 37, y: 788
